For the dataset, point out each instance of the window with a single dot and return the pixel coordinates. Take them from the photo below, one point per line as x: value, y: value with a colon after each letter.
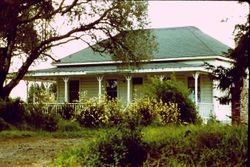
x: 191, y: 87
x: 73, y: 91
x: 111, y: 88
x: 137, y: 81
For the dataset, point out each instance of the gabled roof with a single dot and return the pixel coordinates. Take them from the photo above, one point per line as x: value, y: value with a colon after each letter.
x: 176, y: 42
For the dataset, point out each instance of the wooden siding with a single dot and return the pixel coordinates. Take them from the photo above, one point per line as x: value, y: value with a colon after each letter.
x: 60, y: 90
x: 89, y: 86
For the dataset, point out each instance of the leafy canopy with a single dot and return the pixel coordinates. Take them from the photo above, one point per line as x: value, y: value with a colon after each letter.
x: 30, y: 28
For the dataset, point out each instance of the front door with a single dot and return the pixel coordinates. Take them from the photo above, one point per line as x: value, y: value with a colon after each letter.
x: 111, y: 88
x: 73, y: 91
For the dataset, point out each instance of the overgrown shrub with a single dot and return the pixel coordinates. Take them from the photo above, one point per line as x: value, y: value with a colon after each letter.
x: 40, y: 119
x: 149, y: 111
x: 118, y: 147
x: 141, y: 112
x: 92, y: 114
x: 67, y: 112
x: 175, y: 92
x: 211, y: 145
x: 12, y: 111
x: 113, y: 112
x: 169, y: 112
x: 4, y: 125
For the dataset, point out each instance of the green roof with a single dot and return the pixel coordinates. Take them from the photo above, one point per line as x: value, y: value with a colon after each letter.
x: 172, y: 43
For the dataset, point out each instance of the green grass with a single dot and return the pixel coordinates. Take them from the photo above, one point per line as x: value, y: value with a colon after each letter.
x: 88, y: 133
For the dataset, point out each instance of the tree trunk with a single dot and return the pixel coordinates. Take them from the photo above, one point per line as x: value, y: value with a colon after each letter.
x: 235, y: 101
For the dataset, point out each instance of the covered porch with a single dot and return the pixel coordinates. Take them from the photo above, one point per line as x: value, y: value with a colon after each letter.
x: 126, y: 85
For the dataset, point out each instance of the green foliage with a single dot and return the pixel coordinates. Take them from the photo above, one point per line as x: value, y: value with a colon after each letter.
x: 65, y: 125
x: 101, y: 20
x: 118, y: 147
x: 40, y: 119
x: 175, y: 92
x: 99, y: 113
x: 12, y: 111
x: 92, y: 115
x: 38, y: 93
x: 141, y: 112
x: 114, y: 113
x: 149, y: 111
x: 191, y: 145
x: 67, y: 111
x: 213, y: 145
x: 4, y: 125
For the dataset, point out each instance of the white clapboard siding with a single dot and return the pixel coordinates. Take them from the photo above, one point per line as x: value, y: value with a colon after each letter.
x: 60, y: 90
x: 90, y: 86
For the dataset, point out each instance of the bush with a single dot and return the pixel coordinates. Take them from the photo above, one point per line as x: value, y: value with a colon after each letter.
x: 40, y: 119
x: 118, y: 147
x: 92, y: 115
x: 67, y: 112
x: 175, y: 92
x: 141, y: 112
x: 210, y: 145
x: 104, y: 113
x: 12, y: 111
x: 113, y: 112
x: 149, y: 111
x: 169, y: 112
x: 4, y: 125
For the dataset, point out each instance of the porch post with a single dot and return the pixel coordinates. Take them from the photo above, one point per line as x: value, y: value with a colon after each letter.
x: 162, y: 78
x: 128, y: 78
x: 99, y: 78
x: 27, y: 90
x: 66, y: 94
x: 196, y: 76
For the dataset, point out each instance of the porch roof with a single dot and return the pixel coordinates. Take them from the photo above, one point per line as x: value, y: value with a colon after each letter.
x: 111, y: 68
x: 178, y: 42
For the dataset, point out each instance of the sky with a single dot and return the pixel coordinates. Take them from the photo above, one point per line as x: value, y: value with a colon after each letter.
x: 215, y: 18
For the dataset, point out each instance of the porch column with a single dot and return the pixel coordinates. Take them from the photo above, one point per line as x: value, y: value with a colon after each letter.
x: 196, y: 76
x: 128, y: 78
x: 27, y: 90
x: 99, y: 79
x: 161, y: 78
x: 66, y: 94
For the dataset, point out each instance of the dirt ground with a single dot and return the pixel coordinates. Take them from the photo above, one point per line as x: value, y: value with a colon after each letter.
x: 32, y: 151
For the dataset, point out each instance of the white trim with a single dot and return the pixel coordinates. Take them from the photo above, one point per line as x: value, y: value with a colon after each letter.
x: 42, y: 74
x: 181, y: 69
x: 153, y: 60
x: 196, y: 76
x: 66, y: 88
x: 99, y: 79
x: 128, y: 78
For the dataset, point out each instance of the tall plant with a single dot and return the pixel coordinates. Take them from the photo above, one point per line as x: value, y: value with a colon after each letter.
x: 175, y: 92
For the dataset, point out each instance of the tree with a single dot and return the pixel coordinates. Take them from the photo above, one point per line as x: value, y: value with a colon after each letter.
x: 231, y: 79
x: 30, y: 28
